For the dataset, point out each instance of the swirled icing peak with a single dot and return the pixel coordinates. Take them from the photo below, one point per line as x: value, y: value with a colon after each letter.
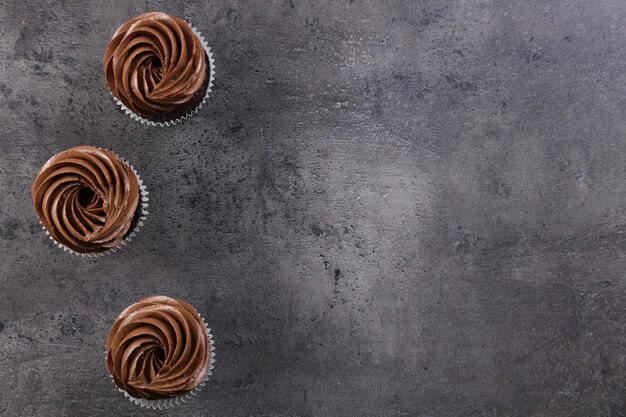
x: 156, y: 66
x: 158, y: 348
x: 86, y: 198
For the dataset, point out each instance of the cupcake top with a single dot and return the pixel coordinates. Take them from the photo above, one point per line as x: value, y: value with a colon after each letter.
x: 158, y: 348
x: 156, y: 66
x: 86, y: 198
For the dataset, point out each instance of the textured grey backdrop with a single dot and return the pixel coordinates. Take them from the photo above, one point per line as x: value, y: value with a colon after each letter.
x: 388, y: 208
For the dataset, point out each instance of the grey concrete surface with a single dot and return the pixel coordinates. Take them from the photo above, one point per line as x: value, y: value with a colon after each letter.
x: 388, y: 208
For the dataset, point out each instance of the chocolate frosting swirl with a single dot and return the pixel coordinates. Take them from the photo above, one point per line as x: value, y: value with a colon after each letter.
x: 158, y: 348
x: 86, y: 198
x: 155, y: 64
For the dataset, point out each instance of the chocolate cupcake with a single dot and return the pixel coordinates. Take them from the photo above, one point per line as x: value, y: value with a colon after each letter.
x: 159, y: 352
x: 158, y: 68
x: 89, y: 200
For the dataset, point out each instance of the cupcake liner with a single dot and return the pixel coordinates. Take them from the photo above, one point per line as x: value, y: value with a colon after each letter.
x: 165, y: 403
x: 143, y: 120
x: 143, y: 214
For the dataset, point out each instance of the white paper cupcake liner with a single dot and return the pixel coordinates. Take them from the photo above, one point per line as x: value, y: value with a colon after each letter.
x: 165, y: 403
x: 143, y: 120
x: 143, y: 214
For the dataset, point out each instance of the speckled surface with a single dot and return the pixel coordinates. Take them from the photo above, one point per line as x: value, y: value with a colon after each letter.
x: 388, y: 208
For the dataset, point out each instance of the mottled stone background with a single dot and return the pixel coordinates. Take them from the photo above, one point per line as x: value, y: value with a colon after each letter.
x: 388, y: 208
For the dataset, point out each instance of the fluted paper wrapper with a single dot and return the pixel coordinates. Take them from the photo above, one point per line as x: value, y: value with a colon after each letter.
x: 143, y: 120
x: 165, y: 403
x: 143, y: 214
